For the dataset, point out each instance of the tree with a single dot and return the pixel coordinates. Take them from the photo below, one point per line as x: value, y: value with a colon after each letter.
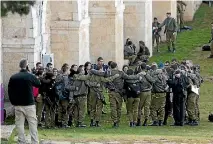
x: 20, y: 7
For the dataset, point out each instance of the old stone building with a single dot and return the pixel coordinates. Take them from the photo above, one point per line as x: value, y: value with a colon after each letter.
x: 77, y: 31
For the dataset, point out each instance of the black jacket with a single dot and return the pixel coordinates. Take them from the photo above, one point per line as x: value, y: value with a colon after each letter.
x: 20, y: 88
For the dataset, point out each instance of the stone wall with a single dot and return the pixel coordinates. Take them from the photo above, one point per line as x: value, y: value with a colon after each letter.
x: 17, y: 43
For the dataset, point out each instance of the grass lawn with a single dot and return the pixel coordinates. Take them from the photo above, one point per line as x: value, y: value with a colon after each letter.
x: 188, y: 47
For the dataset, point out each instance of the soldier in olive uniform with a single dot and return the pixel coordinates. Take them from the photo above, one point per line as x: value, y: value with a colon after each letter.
x: 63, y: 102
x: 156, y: 33
x: 180, y: 13
x: 129, y: 52
x: 211, y: 41
x: 170, y: 31
x: 158, y: 98
x: 132, y: 98
x: 96, y: 83
x: 145, y: 95
x: 116, y: 92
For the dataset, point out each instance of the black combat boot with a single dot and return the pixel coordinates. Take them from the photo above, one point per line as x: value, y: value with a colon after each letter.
x: 80, y: 125
x: 138, y: 122
x: 155, y: 123
x: 131, y: 124
x: 88, y: 112
x: 194, y: 123
x: 160, y: 123
x: 97, y: 124
x: 70, y: 121
x: 145, y: 122
x: 92, y: 124
x: 115, y: 125
x: 164, y: 122
x: 173, y: 46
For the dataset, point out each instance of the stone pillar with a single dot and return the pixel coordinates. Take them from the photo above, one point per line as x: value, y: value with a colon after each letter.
x: 106, y: 31
x: 17, y: 43
x: 69, y: 29
x: 148, y: 25
x: 134, y: 21
x: 191, y: 8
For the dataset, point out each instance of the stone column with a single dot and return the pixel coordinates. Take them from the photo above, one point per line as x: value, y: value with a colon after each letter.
x: 119, y: 40
x: 191, y: 8
x: 148, y: 25
x: 134, y: 21
x: 106, y: 31
x: 69, y: 28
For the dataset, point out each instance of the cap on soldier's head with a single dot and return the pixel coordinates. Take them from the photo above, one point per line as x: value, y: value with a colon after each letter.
x: 155, y: 18
x: 168, y: 13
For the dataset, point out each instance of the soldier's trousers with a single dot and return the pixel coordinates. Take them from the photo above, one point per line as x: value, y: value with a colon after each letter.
x: 49, y: 116
x: 157, y: 110
x: 80, y: 107
x: 39, y: 108
x: 197, y: 108
x: 115, y: 100
x: 88, y: 102
x: 156, y: 38
x: 145, y: 101
x: 211, y: 46
x: 62, y: 111
x: 179, y: 108
x: 181, y: 20
x: 132, y: 108
x: 96, y: 106
x: 191, y: 106
x: 170, y: 38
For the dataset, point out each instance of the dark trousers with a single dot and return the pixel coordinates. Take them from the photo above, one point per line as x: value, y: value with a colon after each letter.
x: 168, y: 106
x: 179, y: 101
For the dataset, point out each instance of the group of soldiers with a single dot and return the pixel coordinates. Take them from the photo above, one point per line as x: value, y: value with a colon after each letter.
x: 160, y: 91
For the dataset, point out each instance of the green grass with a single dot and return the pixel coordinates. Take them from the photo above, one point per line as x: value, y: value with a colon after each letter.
x: 188, y: 47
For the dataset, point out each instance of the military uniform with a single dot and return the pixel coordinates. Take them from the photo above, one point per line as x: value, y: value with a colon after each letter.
x: 115, y: 94
x: 180, y: 13
x: 191, y: 100
x: 39, y: 108
x: 95, y: 82
x: 63, y: 103
x: 170, y: 29
x: 156, y: 34
x: 129, y: 53
x: 158, y: 98
x: 145, y: 97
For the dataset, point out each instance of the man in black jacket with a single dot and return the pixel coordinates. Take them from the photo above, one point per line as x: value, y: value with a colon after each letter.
x: 20, y: 90
x: 179, y: 86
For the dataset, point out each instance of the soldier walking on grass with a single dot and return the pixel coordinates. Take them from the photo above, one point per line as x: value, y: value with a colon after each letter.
x: 170, y: 31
